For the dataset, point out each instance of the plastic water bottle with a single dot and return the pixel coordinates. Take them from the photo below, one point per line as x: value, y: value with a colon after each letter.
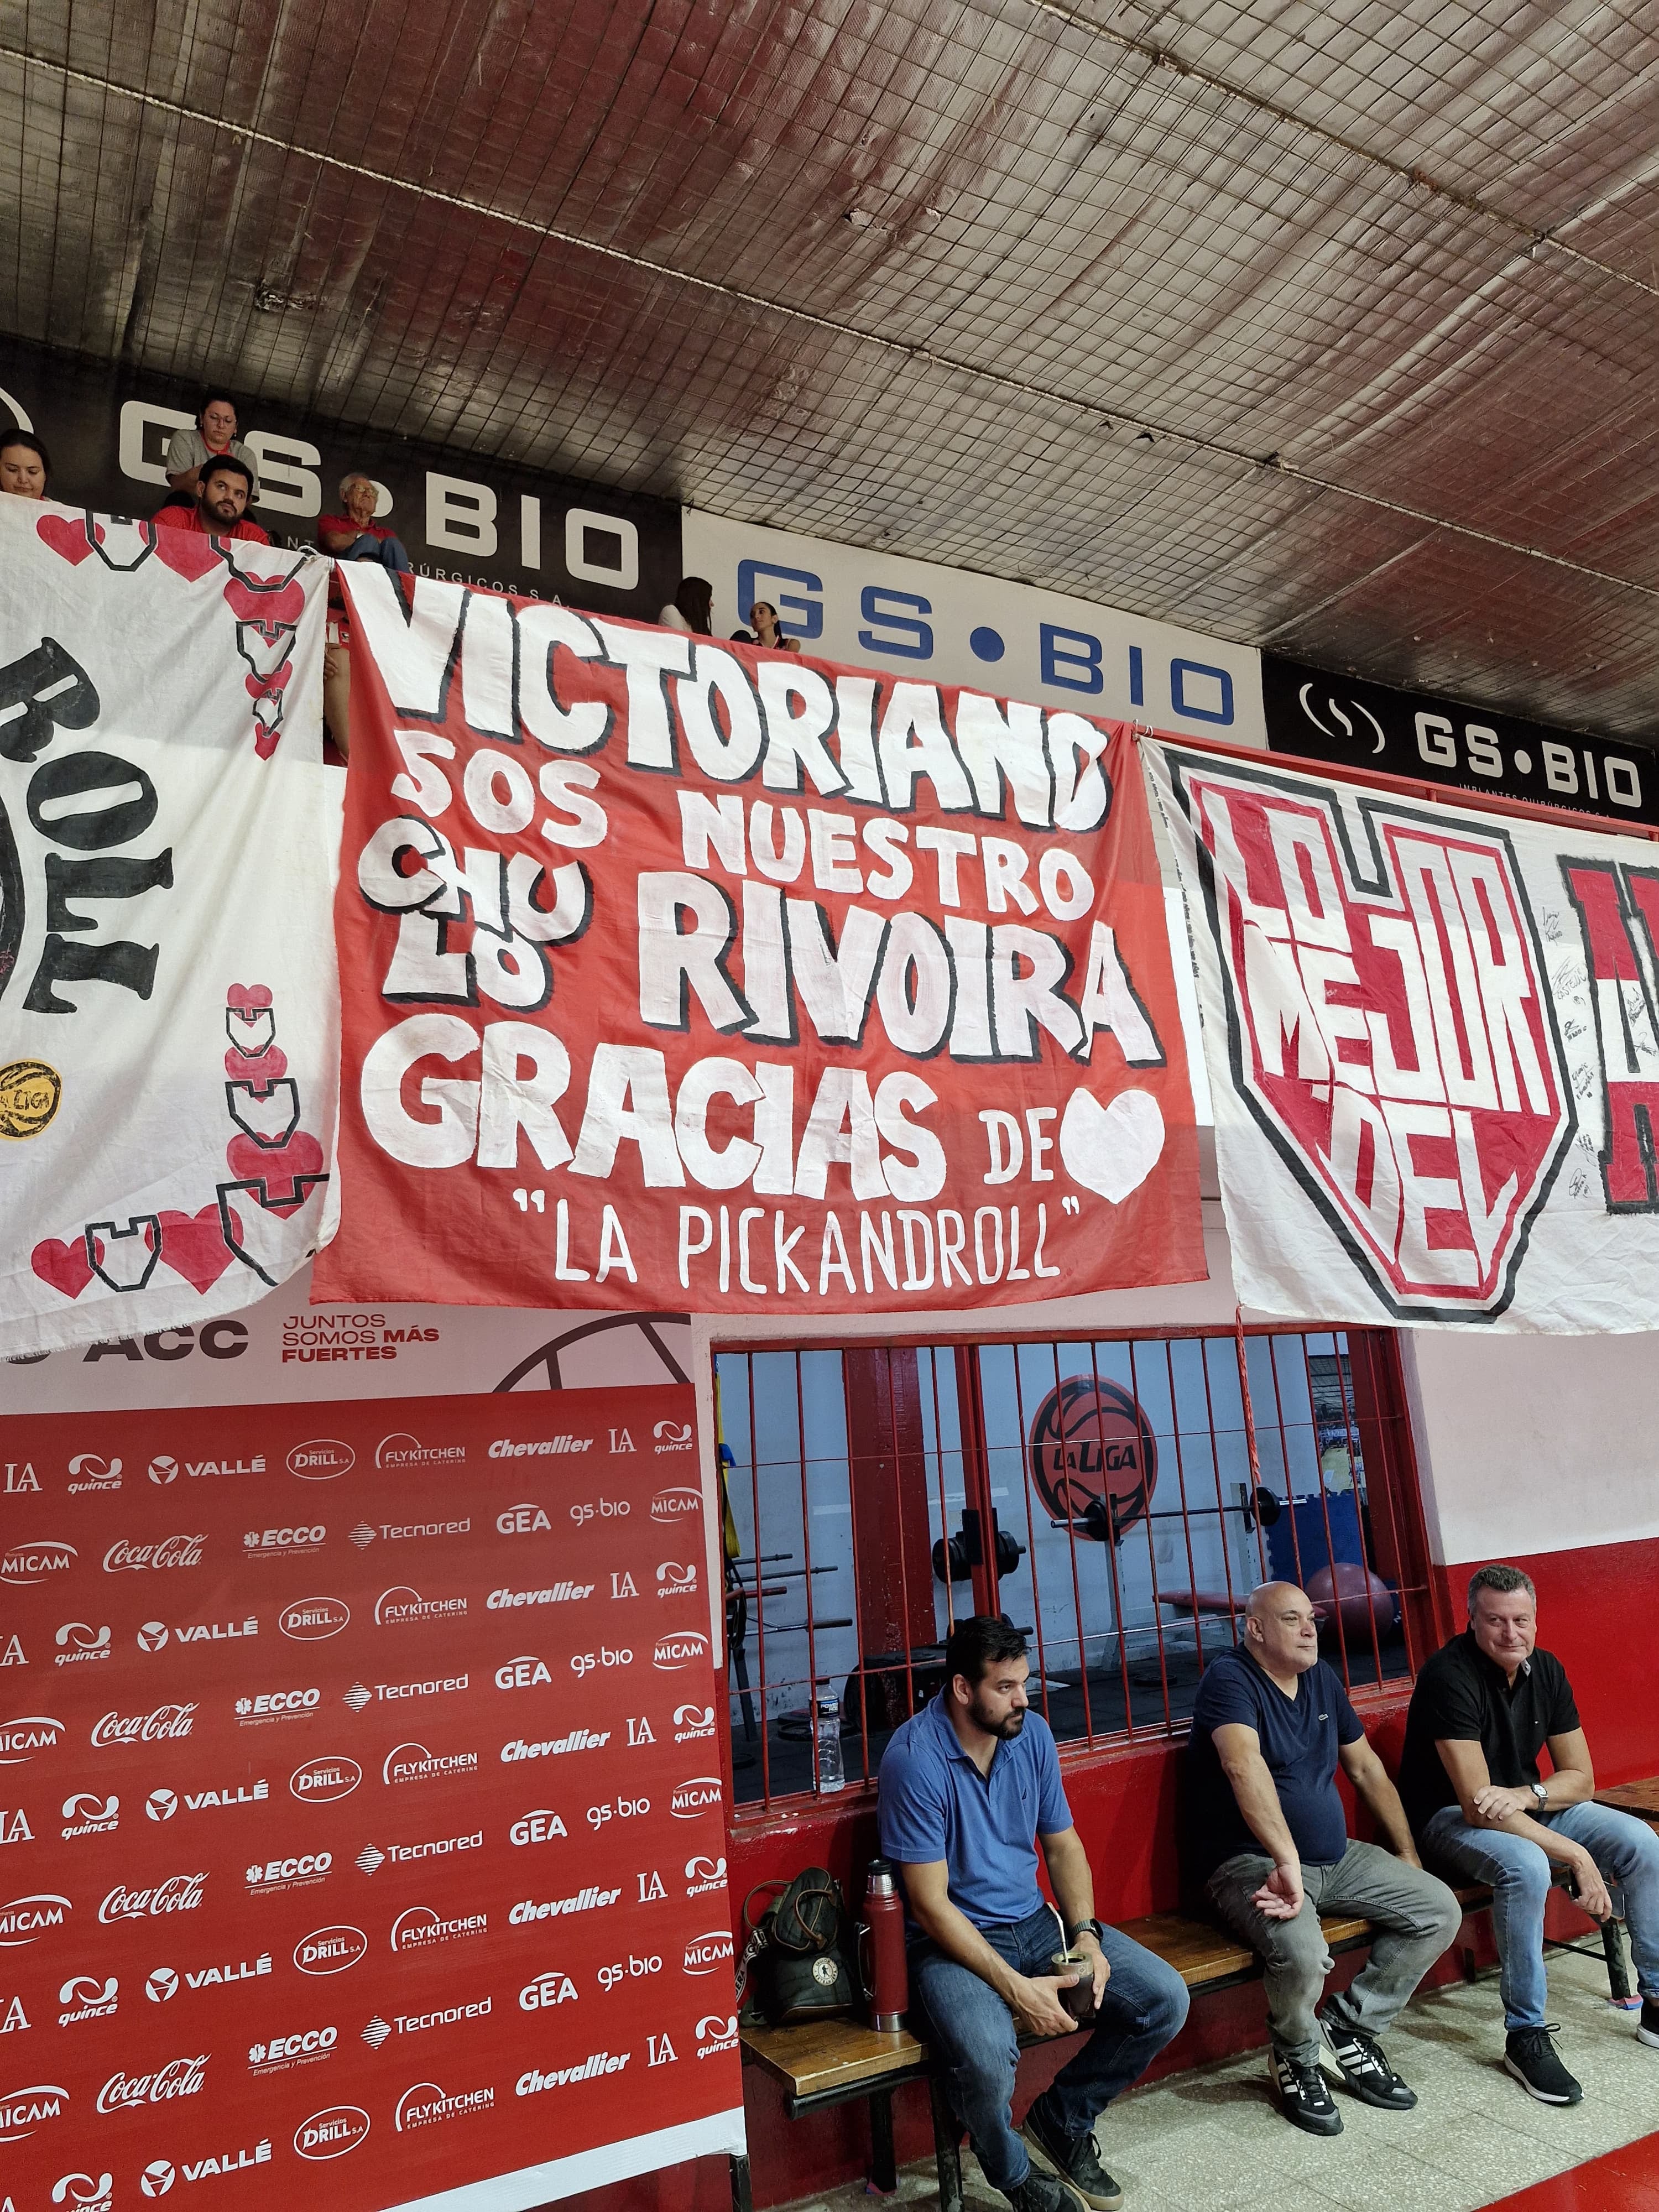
x: 826, y: 1741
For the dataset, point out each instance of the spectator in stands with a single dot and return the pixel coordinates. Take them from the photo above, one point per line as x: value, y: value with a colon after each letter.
x: 219, y: 507
x: 24, y: 465
x: 1268, y: 1833
x: 691, y: 610
x: 214, y: 433
x: 1483, y: 1709
x: 968, y: 1788
x: 763, y: 630
x: 355, y: 535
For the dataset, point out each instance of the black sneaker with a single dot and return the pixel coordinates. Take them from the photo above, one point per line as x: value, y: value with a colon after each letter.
x: 1073, y: 2160
x: 1041, y: 2192
x: 1647, y: 2029
x: 1530, y: 2056
x: 1358, y: 2059
x: 1302, y: 2097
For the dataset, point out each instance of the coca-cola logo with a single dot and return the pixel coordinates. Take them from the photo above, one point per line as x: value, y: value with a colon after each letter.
x: 332, y: 2132
x: 179, y: 1892
x: 311, y: 1618
x: 165, y: 1724
x: 330, y: 1950
x: 22, y: 1565
x: 324, y: 1781
x: 127, y: 1558
x: 179, y: 2077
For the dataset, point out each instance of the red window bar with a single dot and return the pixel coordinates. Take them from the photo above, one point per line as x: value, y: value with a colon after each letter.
x: 1116, y: 1497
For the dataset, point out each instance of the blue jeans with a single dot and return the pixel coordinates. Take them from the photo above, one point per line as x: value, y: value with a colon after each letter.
x: 972, y: 2029
x: 1625, y: 1851
x: 388, y: 551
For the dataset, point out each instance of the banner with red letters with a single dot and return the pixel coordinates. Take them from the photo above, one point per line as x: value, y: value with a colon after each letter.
x: 1432, y: 1039
x: 679, y: 974
x: 361, y: 1817
x: 167, y: 1006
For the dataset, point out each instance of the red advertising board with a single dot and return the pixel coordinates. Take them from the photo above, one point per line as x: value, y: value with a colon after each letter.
x: 361, y: 1823
x: 705, y: 978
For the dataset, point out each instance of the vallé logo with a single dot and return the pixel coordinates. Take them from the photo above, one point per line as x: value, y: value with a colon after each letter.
x: 332, y: 2132
x: 325, y: 1781
x: 22, y: 1566
x: 22, y: 1738
x: 310, y: 1620
x: 685, y: 1647
x: 330, y: 1950
x: 325, y: 1459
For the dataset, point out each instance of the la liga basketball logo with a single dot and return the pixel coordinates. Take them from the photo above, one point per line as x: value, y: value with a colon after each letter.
x: 1093, y: 1457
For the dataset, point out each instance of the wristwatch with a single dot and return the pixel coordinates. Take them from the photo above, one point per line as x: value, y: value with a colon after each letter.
x: 1093, y: 1928
x: 1540, y: 1793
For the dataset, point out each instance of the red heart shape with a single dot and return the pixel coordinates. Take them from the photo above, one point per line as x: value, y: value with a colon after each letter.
x: 277, y: 1165
x: 66, y: 539
x: 65, y: 1267
x: 247, y: 997
x: 193, y: 1246
x: 184, y: 553
x: 258, y: 1069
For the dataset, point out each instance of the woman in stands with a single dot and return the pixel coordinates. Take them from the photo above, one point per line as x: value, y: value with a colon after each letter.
x: 691, y: 610
x: 24, y: 465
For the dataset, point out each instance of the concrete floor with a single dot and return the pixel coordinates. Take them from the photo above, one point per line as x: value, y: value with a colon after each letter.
x: 1211, y: 2141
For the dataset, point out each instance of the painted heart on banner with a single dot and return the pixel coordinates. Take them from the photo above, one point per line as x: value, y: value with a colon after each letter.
x: 65, y: 1267
x: 1111, y: 1148
x: 66, y: 539
x: 1396, y: 1036
x: 193, y: 1246
x: 276, y: 1168
x: 185, y: 554
x: 259, y: 1070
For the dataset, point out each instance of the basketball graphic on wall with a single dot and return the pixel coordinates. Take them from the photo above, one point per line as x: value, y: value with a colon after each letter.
x: 1093, y: 1457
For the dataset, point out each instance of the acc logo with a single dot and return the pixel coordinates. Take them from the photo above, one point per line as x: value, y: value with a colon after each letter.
x: 672, y: 1436
x: 26, y: 1919
x: 675, y: 1505
x: 31, y: 1732
x: 325, y: 1781
x: 704, y: 1953
x: 683, y: 1648
x: 157, y: 2177
x: 22, y: 2110
x: 321, y: 1461
x: 332, y: 2132
x: 22, y: 1565
x: 311, y: 1618
x: 81, y: 2191
x: 551, y: 1988
x: 702, y: 1793
x: 330, y: 1950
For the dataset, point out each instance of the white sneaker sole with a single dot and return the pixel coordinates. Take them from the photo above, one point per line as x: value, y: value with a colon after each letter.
x: 1650, y: 2036
x: 1041, y: 2158
x: 1543, y: 2096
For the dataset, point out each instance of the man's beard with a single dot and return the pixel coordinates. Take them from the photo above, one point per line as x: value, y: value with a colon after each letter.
x: 1009, y: 1725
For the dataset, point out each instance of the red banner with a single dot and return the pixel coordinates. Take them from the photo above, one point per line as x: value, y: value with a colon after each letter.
x: 682, y: 975
x: 362, y: 1821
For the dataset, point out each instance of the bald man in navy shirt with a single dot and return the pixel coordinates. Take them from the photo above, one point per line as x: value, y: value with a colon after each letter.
x: 968, y: 1788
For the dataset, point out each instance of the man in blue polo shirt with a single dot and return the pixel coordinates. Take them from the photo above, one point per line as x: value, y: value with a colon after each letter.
x: 967, y: 1788
x: 1268, y: 1831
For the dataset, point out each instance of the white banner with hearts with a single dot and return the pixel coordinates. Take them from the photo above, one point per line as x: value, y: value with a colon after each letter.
x: 1433, y: 1038
x: 169, y: 1024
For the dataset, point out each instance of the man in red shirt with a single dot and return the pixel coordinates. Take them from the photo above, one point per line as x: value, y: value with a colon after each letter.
x: 218, y: 509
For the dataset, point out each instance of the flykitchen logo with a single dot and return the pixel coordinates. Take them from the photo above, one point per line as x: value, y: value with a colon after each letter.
x: 702, y: 1793
x: 78, y: 1641
x: 423, y: 2104
x: 127, y: 1556
x: 325, y: 1781
x: 404, y: 1450
x: 681, y: 1648
x: 178, y: 1893
x: 22, y: 1738
x: 420, y: 1929
x: 281, y: 2053
x: 676, y: 1505
x: 90, y: 1471
x: 26, y: 1919
x: 402, y: 1607
x: 164, y: 1724
x: 539, y: 1447
x: 310, y: 1620
x: 179, y: 2077
x: 332, y: 2132
x: 1425, y: 1114
x: 85, y: 1814
x: 672, y: 1436
x: 325, y: 1459
x: 413, y: 1762
x: 22, y: 1566
x: 23, y: 2110
x: 705, y: 1953
x: 85, y: 1997
x: 330, y: 1950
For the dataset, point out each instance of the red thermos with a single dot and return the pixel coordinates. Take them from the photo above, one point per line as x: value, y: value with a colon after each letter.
x: 886, y: 1978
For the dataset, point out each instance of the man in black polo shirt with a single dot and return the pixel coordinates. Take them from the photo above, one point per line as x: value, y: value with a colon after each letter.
x: 1484, y: 1707
x: 1267, y: 1830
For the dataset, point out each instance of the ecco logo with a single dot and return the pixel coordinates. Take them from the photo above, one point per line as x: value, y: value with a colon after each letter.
x: 323, y: 1459
x: 311, y: 1618
x: 309, y: 1866
x: 269, y: 1703
x: 283, y: 2050
x: 289, y: 1541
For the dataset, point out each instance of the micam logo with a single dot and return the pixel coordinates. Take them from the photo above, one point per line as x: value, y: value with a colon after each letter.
x: 26, y: 1919
x: 22, y: 1738
x: 682, y: 1647
x: 703, y: 1954
x: 702, y: 1793
x: 24, y: 1565
x: 674, y: 1504
x: 78, y: 1641
x: 23, y: 2110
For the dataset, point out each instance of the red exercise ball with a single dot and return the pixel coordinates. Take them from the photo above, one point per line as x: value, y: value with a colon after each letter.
x: 1361, y: 1597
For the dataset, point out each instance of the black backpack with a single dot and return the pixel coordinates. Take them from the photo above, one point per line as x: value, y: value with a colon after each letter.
x: 794, y: 1964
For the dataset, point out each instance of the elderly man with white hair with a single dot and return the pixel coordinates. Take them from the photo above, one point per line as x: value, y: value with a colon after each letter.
x: 352, y: 535
x: 1269, y: 1834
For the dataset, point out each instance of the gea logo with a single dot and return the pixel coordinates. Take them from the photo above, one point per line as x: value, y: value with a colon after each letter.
x: 179, y: 2077
x: 522, y: 1674
x: 321, y: 1461
x: 127, y: 1558
x: 537, y: 1827
x: 325, y: 1781
x: 549, y: 1988
x: 22, y: 2110
x: 25, y: 1919
x: 22, y: 1565
x: 675, y: 1503
x: 332, y: 2132
x: 704, y: 1953
x: 330, y: 1950
x: 164, y: 1725
x: 702, y: 1793
x: 521, y: 1520
x: 30, y: 1732
x: 179, y: 1892
x: 311, y: 1618
x: 685, y: 1648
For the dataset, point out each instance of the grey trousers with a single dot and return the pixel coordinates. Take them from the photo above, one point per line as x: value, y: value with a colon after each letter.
x: 1415, y: 1915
